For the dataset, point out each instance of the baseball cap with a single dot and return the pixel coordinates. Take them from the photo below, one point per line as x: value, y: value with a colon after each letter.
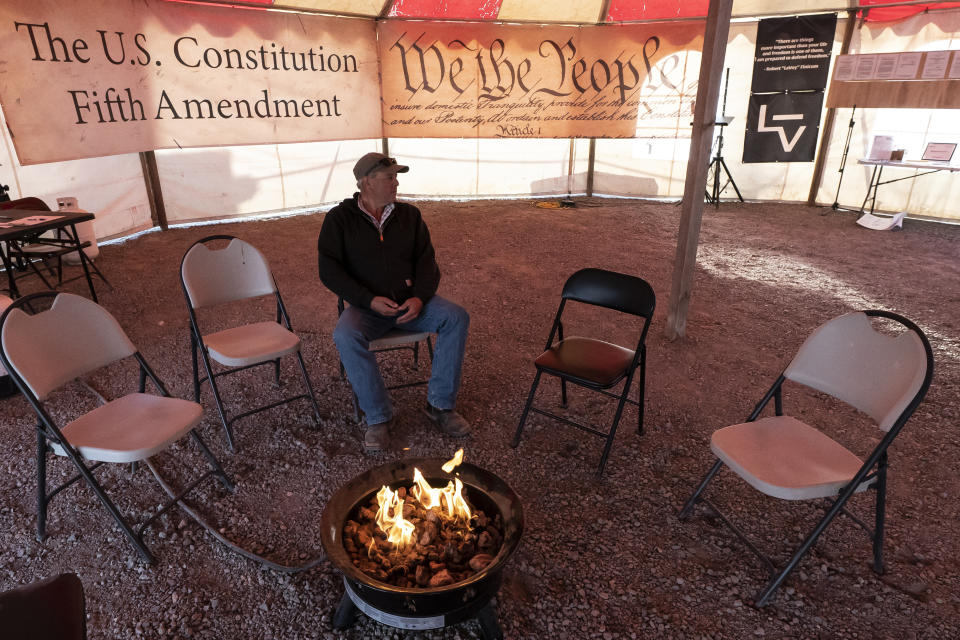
x: 376, y: 162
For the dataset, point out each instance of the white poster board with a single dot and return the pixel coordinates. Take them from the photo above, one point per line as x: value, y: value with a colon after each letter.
x: 882, y: 145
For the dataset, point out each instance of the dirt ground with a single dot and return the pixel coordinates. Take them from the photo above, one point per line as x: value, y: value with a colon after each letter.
x: 605, y: 559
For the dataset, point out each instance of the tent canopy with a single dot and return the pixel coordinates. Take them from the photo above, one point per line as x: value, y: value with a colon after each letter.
x: 589, y: 11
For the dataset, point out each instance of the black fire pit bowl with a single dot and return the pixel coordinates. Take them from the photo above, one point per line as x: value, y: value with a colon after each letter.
x: 421, y: 608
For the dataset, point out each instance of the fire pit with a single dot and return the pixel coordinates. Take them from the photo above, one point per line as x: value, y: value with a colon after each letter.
x: 422, y: 607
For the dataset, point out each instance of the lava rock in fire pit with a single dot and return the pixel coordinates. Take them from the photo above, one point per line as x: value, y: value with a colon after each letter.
x: 421, y: 536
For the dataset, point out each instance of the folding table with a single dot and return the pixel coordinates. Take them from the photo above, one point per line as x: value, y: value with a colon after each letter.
x: 20, y: 226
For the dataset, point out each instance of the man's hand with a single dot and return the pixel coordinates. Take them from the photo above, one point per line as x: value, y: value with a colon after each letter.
x: 385, y: 306
x: 412, y: 308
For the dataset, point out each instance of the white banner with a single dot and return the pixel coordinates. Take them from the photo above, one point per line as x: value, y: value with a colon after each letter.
x: 86, y: 79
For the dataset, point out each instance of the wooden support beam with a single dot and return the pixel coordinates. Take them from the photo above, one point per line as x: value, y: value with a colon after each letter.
x: 151, y: 178
x: 827, y: 130
x: 590, y: 161
x: 604, y: 10
x: 701, y: 142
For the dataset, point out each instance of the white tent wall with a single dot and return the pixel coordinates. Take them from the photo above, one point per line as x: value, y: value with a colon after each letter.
x: 934, y: 195
x: 112, y: 186
x: 485, y: 167
x: 221, y: 182
x: 209, y: 183
x: 226, y: 182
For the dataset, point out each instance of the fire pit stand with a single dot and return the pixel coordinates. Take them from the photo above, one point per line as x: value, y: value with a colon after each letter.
x: 421, y: 608
x: 479, y: 609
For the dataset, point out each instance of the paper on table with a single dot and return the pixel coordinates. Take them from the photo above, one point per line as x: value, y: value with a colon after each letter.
x: 24, y: 222
x: 879, y: 223
x: 939, y: 151
x: 881, y: 147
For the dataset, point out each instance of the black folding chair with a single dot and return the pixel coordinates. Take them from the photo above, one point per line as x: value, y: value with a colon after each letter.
x: 211, y: 277
x: 591, y: 363
x: 73, y: 337
x: 885, y: 376
x: 51, y: 609
x: 393, y: 340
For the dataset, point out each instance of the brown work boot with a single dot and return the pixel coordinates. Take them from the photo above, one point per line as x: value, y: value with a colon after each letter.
x: 376, y: 438
x: 448, y: 421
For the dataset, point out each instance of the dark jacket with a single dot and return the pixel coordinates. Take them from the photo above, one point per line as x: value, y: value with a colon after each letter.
x: 358, y: 263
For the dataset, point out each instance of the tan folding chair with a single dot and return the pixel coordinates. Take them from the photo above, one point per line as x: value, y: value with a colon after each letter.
x: 211, y: 277
x: 74, y: 337
x: 885, y: 376
x: 393, y: 340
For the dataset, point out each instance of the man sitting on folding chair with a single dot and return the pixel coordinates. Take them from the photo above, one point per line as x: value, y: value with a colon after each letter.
x: 376, y: 254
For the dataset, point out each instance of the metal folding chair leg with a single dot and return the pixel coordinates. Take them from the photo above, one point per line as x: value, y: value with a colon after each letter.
x: 880, y: 514
x: 306, y: 382
x: 196, y: 370
x: 212, y: 460
x: 526, y: 409
x: 692, y: 501
x: 643, y: 387
x: 41, y: 484
x: 613, y: 429
x: 217, y: 400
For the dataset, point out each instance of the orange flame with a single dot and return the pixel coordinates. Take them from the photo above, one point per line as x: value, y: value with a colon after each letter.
x: 453, y: 463
x: 390, y: 518
x: 449, y: 500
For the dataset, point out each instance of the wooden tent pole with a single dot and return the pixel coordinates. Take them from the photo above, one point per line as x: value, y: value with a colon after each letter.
x: 384, y: 12
x: 831, y: 118
x: 592, y: 154
x: 151, y: 179
x: 701, y: 142
x: 590, y: 161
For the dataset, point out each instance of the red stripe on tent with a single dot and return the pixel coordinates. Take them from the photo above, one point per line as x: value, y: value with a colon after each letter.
x: 656, y: 9
x: 453, y: 9
x: 221, y: 4
x: 879, y: 13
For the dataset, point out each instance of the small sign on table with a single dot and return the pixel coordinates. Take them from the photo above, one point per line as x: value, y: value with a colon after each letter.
x: 939, y: 151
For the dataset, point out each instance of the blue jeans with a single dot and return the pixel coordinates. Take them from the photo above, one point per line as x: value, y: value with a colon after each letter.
x: 357, y: 327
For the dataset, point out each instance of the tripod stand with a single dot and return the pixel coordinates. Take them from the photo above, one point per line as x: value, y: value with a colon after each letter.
x: 843, y: 159
x: 718, y: 163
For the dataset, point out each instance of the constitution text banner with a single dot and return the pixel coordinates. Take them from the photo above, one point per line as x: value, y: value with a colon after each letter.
x: 451, y: 80
x: 86, y: 79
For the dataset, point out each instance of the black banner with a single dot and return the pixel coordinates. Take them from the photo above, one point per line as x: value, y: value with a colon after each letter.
x: 783, y: 127
x: 793, y: 54
x: 790, y: 70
